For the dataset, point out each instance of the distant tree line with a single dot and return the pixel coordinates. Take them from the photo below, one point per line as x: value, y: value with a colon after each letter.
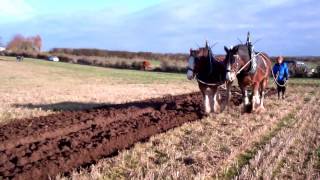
x: 169, y: 62
x: 26, y: 44
x: 120, y: 54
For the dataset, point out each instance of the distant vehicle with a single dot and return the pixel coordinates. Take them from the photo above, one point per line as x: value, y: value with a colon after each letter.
x: 318, y: 71
x: 312, y: 72
x: 297, y: 68
x: 2, y: 49
x: 53, y: 58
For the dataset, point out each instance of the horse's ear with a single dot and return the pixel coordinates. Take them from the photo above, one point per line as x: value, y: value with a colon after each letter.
x: 235, y: 49
x: 226, y: 49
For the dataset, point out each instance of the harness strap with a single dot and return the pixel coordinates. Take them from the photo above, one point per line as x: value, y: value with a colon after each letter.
x: 209, y: 84
x: 239, y: 71
x: 264, y: 62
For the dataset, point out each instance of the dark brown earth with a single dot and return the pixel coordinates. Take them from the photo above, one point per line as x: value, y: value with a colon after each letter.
x: 42, y: 147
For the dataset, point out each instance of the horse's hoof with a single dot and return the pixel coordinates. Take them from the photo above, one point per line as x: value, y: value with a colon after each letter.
x: 248, y: 108
x: 208, y: 115
x: 260, y: 110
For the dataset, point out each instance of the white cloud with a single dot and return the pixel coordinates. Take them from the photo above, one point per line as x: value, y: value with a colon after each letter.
x: 175, y: 26
x: 15, y: 10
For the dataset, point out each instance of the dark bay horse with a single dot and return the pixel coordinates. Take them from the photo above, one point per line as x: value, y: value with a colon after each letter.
x: 210, y: 74
x: 19, y: 58
x: 239, y: 66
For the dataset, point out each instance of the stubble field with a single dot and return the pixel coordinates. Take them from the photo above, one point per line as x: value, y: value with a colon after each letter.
x: 281, y: 143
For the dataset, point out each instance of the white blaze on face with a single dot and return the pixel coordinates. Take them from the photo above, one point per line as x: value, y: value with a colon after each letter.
x: 191, y: 65
x: 232, y: 76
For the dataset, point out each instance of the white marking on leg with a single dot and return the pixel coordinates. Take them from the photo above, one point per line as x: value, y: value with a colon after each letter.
x: 210, y: 100
x: 207, y: 103
x: 216, y: 106
x: 228, y: 76
x: 258, y: 99
x: 255, y: 100
x: 246, y: 98
x: 262, y: 99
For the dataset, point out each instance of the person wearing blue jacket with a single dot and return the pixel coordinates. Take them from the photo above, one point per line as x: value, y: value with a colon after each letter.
x: 281, y: 75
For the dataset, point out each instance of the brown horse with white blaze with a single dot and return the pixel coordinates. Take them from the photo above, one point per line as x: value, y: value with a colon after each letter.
x: 210, y: 74
x: 239, y: 66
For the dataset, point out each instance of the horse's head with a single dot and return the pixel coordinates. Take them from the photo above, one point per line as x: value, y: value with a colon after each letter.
x: 236, y: 58
x: 198, y: 59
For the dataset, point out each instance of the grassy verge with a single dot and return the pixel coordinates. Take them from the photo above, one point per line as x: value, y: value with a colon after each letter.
x: 61, y: 69
x: 304, y: 81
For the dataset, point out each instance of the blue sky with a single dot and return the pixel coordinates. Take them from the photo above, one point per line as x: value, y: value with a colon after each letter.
x: 287, y: 27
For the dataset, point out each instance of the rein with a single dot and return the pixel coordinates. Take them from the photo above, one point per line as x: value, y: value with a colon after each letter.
x: 276, y: 82
x: 275, y: 78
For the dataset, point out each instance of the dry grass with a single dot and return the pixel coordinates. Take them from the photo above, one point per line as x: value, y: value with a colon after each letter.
x: 291, y: 152
x: 282, y: 143
x: 210, y: 147
x: 34, y: 88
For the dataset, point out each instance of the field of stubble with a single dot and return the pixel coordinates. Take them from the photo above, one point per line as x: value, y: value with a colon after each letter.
x: 283, y: 142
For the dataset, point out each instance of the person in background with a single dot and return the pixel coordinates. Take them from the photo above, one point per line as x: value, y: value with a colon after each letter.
x: 281, y: 74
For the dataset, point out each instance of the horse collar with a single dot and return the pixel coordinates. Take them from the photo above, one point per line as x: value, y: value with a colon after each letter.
x: 253, y: 65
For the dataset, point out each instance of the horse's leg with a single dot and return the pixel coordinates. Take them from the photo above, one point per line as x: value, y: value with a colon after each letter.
x: 229, y: 95
x: 207, y: 100
x: 216, y: 106
x: 210, y: 98
x: 226, y: 101
x: 262, y: 92
x: 245, y: 98
x: 255, y: 97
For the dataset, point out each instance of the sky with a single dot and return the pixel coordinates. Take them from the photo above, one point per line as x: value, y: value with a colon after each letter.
x: 282, y: 27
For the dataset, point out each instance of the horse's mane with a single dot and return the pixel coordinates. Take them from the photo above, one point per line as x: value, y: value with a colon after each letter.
x: 242, y: 50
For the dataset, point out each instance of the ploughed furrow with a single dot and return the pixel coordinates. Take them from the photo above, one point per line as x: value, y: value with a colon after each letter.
x: 88, y: 136
x: 42, y: 147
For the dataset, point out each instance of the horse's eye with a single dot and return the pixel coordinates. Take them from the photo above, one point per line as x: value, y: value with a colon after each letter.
x: 233, y: 59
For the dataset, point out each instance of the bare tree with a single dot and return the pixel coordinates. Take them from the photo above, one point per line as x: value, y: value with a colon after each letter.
x: 20, y: 43
x: 37, y: 42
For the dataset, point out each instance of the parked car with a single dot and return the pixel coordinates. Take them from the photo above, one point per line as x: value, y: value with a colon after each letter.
x: 53, y: 58
x: 317, y: 71
x: 297, y: 68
